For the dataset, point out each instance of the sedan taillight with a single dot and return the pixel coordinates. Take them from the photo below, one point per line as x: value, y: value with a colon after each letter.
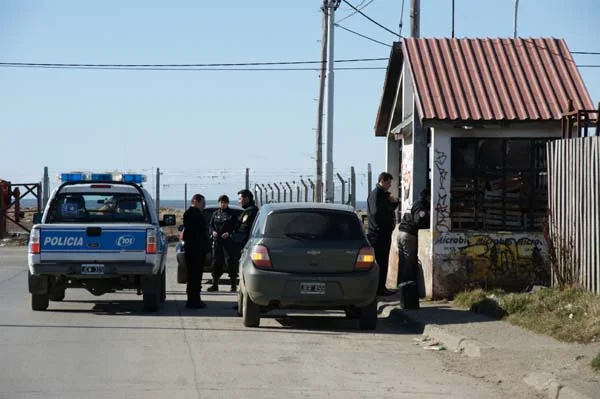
x: 260, y: 257
x: 365, y: 258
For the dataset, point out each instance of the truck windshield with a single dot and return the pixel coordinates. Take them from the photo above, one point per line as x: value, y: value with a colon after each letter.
x: 97, y: 208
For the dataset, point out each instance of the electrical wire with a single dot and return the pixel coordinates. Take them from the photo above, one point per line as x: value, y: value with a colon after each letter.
x: 361, y: 35
x: 371, y: 19
x: 208, y: 65
x: 359, y: 6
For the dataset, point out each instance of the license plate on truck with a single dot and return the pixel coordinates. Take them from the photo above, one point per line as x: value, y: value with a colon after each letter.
x: 92, y: 268
x: 312, y: 288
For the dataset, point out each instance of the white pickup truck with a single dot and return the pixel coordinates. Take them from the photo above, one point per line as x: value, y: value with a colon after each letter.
x: 102, y: 236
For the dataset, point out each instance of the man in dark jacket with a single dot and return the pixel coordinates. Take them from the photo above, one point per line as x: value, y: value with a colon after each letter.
x: 222, y: 224
x: 380, y: 210
x: 243, y: 226
x: 196, y: 246
x: 408, y: 262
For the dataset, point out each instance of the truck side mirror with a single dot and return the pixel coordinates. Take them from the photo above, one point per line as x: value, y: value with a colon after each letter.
x: 168, y: 220
x: 37, y: 218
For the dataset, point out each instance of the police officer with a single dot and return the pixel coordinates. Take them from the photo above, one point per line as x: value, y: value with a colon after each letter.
x: 408, y: 263
x: 196, y: 247
x: 380, y: 210
x: 222, y: 224
x: 244, y: 224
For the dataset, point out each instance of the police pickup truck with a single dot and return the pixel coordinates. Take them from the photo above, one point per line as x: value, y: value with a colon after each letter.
x: 101, y: 235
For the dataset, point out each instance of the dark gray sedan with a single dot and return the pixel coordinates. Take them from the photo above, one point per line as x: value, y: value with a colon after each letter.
x: 308, y: 256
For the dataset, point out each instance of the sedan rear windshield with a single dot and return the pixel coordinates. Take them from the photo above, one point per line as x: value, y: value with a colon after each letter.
x: 98, y: 208
x: 313, y: 225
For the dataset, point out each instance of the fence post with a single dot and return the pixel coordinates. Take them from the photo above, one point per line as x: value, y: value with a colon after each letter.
x: 305, y: 190
x: 352, y: 187
x: 343, y: 188
x: 312, y: 187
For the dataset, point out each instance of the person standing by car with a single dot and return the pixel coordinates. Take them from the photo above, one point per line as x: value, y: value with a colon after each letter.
x: 408, y: 262
x: 222, y: 223
x: 380, y: 210
x: 244, y: 223
x: 196, y: 247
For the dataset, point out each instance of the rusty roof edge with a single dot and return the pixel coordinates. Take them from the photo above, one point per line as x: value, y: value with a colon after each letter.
x: 416, y: 93
x: 582, y: 85
x: 390, y: 84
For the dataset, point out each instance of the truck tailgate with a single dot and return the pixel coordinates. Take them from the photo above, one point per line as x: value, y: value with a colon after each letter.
x: 93, y: 242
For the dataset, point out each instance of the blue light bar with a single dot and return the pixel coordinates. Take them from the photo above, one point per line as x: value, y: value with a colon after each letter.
x: 101, y: 177
x: 133, y: 178
x: 74, y: 176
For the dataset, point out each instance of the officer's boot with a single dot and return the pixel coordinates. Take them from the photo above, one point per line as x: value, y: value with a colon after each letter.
x: 215, y: 285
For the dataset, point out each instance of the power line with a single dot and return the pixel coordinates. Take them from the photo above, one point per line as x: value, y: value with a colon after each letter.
x: 360, y: 7
x: 586, y: 52
x: 208, y: 65
x: 190, y: 69
x: 361, y: 35
x: 371, y: 19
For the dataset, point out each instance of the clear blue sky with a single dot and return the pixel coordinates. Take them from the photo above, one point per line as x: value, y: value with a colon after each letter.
x: 183, y: 122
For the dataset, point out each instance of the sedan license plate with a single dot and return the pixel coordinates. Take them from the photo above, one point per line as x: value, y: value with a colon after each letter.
x: 312, y: 288
x: 93, y: 268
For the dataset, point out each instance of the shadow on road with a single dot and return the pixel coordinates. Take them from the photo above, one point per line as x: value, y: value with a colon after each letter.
x: 429, y: 313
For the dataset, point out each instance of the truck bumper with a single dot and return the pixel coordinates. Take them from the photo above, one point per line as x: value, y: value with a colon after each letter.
x: 111, y: 270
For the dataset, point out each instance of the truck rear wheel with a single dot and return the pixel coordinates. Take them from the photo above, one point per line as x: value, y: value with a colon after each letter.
x: 151, y: 291
x: 57, y: 294
x: 40, y: 301
x: 163, y: 286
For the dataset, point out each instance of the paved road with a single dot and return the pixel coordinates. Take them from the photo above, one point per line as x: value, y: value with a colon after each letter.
x: 106, y: 347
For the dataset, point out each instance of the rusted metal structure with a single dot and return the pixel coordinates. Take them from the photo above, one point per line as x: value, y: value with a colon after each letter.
x: 10, y: 203
x: 578, y: 123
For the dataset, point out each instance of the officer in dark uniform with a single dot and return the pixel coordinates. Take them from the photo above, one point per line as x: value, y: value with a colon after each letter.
x: 408, y: 262
x: 380, y: 210
x: 241, y: 233
x: 196, y: 246
x: 222, y: 224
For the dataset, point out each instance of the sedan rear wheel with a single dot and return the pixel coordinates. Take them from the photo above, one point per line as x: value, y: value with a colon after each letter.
x: 368, y: 317
x: 250, y: 312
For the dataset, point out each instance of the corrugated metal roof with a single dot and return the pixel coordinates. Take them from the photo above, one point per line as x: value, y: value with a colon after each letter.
x: 494, y: 79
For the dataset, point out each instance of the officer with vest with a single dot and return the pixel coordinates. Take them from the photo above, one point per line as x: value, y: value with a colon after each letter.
x: 408, y: 262
x: 241, y: 233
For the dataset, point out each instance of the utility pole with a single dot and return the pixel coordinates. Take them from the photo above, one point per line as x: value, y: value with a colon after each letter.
x: 322, y: 76
x: 247, y: 178
x: 453, y: 18
x: 330, y: 6
x: 515, y: 22
x: 415, y: 17
x: 369, y: 179
x: 157, y: 194
x: 185, y: 196
x: 46, y: 187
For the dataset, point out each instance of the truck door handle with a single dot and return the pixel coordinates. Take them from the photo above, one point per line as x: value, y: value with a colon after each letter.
x: 93, y: 231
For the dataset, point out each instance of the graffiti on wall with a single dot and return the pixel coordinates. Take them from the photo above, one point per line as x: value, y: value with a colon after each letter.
x: 442, y: 205
x: 407, y: 167
x: 517, y: 258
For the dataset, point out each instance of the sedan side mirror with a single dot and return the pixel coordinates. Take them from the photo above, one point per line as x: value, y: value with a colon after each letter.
x: 168, y: 220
